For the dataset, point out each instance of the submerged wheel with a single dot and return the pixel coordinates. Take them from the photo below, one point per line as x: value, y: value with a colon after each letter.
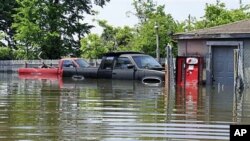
x: 77, y: 77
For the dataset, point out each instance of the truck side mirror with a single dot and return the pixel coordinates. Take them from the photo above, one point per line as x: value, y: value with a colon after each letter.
x: 130, y: 66
x: 163, y: 65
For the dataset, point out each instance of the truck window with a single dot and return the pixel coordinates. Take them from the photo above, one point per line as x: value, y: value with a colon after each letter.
x: 146, y: 61
x: 108, y: 63
x: 68, y: 64
x: 122, y: 63
x: 82, y: 63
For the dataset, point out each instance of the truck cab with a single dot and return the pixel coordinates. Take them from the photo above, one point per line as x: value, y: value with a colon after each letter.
x: 71, y: 66
x: 131, y: 66
x: 73, y: 62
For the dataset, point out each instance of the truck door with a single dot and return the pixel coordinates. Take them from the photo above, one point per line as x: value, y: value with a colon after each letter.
x: 68, y: 68
x: 106, y: 67
x: 123, y: 69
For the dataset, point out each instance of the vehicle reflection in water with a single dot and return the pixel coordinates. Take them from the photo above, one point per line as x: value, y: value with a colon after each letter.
x: 63, y: 109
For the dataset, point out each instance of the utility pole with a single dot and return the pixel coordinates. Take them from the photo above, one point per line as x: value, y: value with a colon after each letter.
x: 167, y: 69
x: 189, y: 22
x: 157, y: 42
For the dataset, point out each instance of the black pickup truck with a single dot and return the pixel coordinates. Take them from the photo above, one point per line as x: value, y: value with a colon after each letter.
x: 122, y: 66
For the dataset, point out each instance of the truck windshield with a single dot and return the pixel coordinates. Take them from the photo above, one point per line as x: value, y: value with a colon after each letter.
x: 82, y: 63
x: 146, y: 62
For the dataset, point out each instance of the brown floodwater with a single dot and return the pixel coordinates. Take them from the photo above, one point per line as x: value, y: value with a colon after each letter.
x: 115, y: 110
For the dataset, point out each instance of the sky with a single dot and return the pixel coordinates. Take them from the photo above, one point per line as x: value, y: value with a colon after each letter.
x: 116, y: 11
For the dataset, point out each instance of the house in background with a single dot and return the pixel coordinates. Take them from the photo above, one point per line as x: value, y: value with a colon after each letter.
x: 216, y: 46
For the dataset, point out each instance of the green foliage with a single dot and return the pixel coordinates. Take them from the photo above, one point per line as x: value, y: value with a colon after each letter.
x: 124, y: 37
x: 20, y: 54
x: 92, y: 47
x: 140, y: 38
x: 2, y: 35
x: 218, y: 14
x: 215, y: 15
x: 143, y: 9
x: 54, y: 27
x: 108, y: 35
x: 145, y: 39
x: 5, y: 53
x: 57, y: 28
x: 116, y: 38
x: 7, y: 9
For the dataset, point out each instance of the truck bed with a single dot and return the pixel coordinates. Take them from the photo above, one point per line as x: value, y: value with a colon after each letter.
x: 38, y: 71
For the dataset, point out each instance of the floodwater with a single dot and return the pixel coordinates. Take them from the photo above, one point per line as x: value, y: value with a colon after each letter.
x: 55, y: 109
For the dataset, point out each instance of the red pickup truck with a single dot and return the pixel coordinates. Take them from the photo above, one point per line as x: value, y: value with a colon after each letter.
x: 66, y: 63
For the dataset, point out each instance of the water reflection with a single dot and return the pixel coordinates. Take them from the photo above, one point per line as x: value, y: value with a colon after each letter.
x: 63, y: 109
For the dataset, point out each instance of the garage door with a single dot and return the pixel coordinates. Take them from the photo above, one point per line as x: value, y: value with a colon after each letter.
x: 223, y: 67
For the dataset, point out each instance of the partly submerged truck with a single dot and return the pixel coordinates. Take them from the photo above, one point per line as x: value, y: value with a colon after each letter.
x: 114, y: 65
x: 64, y: 64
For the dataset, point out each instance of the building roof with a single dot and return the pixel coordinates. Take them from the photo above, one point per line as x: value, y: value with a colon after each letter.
x: 239, y: 29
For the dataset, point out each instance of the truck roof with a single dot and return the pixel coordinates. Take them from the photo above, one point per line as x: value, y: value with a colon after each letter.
x: 121, y: 53
x: 70, y: 58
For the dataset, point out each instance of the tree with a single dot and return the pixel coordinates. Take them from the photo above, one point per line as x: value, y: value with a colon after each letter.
x: 4, y: 51
x: 218, y: 14
x: 53, y: 27
x: 124, y: 36
x: 215, y: 14
x: 186, y: 25
x: 145, y: 39
x: 116, y: 38
x: 143, y: 9
x: 92, y: 47
x: 7, y: 9
x: 112, y: 39
x: 108, y: 35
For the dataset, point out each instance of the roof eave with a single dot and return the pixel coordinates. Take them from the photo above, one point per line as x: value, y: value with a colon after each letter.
x: 211, y: 36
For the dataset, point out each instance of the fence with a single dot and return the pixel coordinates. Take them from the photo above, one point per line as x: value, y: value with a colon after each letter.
x: 13, y: 65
